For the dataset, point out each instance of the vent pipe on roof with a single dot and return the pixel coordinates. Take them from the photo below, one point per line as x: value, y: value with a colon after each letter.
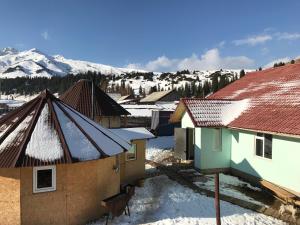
x: 92, y: 113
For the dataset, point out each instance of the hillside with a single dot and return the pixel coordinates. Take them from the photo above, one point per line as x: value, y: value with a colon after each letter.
x: 28, y: 72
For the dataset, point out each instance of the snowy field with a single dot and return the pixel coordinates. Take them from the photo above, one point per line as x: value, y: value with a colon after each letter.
x: 165, y: 202
x: 160, y: 148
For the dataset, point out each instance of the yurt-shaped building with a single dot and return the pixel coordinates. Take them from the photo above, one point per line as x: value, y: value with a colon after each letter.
x: 56, y: 165
x: 91, y: 101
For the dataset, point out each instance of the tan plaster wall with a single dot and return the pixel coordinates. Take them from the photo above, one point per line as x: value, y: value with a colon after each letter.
x: 10, y: 211
x: 109, y: 121
x: 134, y: 170
x: 80, y: 187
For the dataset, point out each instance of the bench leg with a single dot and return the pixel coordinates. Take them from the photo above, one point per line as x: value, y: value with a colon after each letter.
x: 128, y: 209
x: 107, y: 217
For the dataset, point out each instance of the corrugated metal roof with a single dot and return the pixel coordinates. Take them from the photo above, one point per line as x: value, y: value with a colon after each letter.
x: 85, y: 97
x: 155, y: 96
x: 135, y: 133
x: 46, y: 131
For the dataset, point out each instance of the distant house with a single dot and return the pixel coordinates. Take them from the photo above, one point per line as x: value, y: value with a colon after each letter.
x: 251, y: 128
x: 9, y: 105
x: 92, y: 102
x: 56, y: 165
x: 160, y: 96
x: 141, y: 115
x: 127, y: 99
x: 132, y: 163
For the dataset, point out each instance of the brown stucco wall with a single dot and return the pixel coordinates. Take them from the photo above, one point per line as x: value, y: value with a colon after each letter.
x: 80, y: 187
x: 10, y: 212
x: 109, y: 121
x: 133, y: 170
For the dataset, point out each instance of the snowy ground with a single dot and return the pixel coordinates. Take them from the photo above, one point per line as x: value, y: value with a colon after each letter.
x: 231, y: 186
x: 164, y: 202
x: 160, y: 148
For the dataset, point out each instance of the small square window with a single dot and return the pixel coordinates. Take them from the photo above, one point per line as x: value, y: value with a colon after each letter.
x: 44, y: 179
x: 131, y: 154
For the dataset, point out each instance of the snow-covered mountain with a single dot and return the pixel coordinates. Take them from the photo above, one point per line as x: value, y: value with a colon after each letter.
x: 34, y: 63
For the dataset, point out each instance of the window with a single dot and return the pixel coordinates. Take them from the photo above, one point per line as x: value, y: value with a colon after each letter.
x: 44, y: 179
x: 217, y: 140
x: 131, y: 154
x: 263, y: 145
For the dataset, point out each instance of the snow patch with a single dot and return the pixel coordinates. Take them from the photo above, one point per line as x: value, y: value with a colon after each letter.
x: 229, y: 186
x: 234, y: 110
x: 44, y: 143
x: 14, y: 136
x: 108, y: 141
x: 164, y: 202
x: 160, y: 148
x: 79, y: 146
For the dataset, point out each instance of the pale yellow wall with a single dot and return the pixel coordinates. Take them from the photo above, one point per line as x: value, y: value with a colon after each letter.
x: 186, y: 121
x: 77, y: 200
x: 133, y: 170
x: 10, y: 212
x: 109, y: 121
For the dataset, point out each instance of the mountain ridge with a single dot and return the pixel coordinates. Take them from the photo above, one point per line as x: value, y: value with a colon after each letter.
x: 35, y: 63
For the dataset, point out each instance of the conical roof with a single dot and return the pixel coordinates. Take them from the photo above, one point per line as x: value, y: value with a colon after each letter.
x: 46, y: 131
x: 91, y: 101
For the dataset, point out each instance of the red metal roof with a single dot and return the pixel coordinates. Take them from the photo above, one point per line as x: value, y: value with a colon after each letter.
x: 274, y: 96
x: 46, y: 131
x: 81, y: 96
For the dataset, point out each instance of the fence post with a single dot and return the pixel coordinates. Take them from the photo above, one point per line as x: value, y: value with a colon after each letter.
x: 217, y: 199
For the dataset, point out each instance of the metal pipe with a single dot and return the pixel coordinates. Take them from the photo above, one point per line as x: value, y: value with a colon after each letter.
x: 217, y: 199
x: 92, y: 113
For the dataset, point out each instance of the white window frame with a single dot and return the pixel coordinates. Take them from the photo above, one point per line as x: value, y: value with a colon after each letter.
x: 40, y: 190
x: 263, y: 144
x: 135, y: 153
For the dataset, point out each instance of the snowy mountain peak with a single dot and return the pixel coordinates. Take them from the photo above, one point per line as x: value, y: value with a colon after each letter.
x: 8, y: 51
x: 35, y: 63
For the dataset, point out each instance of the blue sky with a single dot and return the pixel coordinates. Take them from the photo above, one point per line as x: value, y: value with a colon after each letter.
x: 156, y: 35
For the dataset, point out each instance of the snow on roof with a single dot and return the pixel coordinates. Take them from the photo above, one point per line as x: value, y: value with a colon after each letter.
x: 275, y: 100
x: 214, y: 113
x: 130, y: 134
x: 155, y: 96
x: 46, y: 131
x: 146, y: 110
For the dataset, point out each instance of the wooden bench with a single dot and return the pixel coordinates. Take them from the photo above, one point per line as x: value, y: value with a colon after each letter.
x: 118, y: 204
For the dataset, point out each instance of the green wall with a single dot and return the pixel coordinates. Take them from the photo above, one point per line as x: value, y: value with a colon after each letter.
x: 284, y: 167
x: 205, y: 156
x: 211, y: 158
x: 238, y: 152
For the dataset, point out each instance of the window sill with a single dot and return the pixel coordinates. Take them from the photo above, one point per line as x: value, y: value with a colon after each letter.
x: 263, y: 158
x: 44, y: 190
